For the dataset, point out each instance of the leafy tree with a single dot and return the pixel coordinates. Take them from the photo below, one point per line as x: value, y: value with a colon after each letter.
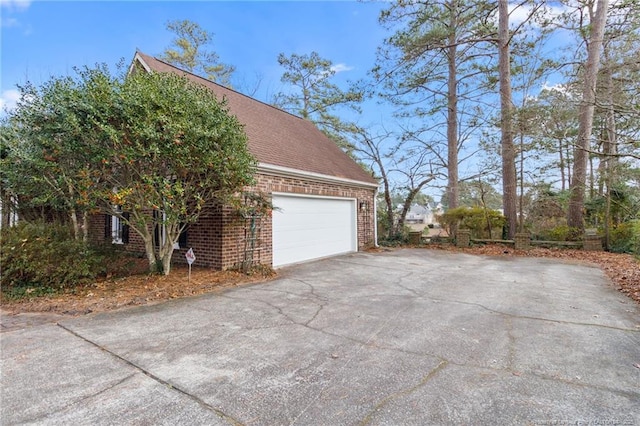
x: 481, y: 221
x: 52, y: 140
x: 575, y: 217
x: 430, y: 62
x: 173, y: 148
x: 479, y: 193
x: 554, y: 120
x: 188, y: 51
x: 314, y: 97
x: 127, y: 147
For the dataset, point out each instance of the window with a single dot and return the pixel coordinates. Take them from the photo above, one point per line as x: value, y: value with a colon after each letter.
x: 160, y: 231
x: 116, y: 227
x: 182, y: 239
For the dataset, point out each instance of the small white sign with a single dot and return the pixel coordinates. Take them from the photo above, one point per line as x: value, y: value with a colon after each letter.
x: 190, y: 256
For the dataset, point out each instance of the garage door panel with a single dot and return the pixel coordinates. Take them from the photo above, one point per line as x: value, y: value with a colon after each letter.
x: 310, y: 228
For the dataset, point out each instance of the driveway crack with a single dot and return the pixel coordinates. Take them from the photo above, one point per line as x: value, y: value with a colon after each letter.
x: 555, y: 321
x: 367, y: 419
x: 152, y: 376
x: 84, y: 398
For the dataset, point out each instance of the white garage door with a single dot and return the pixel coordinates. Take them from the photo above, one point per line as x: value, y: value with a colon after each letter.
x: 306, y: 228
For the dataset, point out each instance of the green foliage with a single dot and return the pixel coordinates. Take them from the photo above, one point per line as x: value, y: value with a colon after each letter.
x: 176, y: 149
x: 625, y: 238
x: 51, y: 141
x: 477, y: 194
x: 187, y: 52
x: 40, y: 258
x: 153, y: 141
x: 395, y: 240
x: 546, y: 214
x: 624, y: 206
x: 314, y: 97
x: 482, y: 222
x: 561, y: 232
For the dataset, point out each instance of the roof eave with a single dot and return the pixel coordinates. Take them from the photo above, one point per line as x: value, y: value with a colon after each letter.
x: 273, y: 170
x: 141, y: 61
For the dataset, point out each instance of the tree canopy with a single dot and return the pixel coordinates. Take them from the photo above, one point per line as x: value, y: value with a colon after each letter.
x: 126, y: 147
x: 189, y: 52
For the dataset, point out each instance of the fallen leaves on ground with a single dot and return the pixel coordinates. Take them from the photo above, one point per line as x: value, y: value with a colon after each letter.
x: 106, y: 295
x: 135, y: 290
x: 622, y: 269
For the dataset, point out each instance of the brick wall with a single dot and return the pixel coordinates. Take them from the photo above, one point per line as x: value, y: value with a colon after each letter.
x: 219, y: 238
x: 98, y: 235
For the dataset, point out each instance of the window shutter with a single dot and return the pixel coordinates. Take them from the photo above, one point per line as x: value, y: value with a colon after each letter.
x: 125, y: 228
x: 156, y: 229
x: 107, y: 227
x: 182, y: 238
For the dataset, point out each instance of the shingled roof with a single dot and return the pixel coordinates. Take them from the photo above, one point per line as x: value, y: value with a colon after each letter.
x: 276, y: 137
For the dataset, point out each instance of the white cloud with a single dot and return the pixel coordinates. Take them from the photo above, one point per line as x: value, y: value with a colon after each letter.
x: 559, y: 87
x: 9, y: 99
x: 340, y: 68
x: 9, y: 23
x: 519, y: 13
x: 18, y: 5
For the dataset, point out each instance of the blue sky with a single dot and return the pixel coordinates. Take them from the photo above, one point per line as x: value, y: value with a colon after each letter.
x: 44, y: 38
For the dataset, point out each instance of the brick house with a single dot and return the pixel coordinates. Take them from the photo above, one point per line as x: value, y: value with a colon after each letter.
x: 325, y: 202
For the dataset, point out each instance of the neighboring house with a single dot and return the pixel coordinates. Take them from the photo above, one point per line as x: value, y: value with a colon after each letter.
x: 417, y: 214
x: 423, y: 214
x: 324, y: 200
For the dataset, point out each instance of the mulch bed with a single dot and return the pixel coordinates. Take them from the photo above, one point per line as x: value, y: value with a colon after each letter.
x: 143, y: 289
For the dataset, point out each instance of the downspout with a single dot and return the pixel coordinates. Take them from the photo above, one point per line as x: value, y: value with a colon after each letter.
x: 375, y: 218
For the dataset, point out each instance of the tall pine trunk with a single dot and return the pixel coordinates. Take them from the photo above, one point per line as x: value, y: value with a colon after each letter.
x: 575, y: 216
x: 452, y: 113
x: 509, y: 182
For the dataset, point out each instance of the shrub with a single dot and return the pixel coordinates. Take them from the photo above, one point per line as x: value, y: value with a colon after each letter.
x: 481, y: 222
x: 46, y: 257
x: 625, y: 238
x: 395, y: 240
x: 560, y: 233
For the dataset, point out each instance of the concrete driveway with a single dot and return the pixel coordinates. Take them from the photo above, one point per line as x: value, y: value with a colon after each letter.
x: 409, y: 337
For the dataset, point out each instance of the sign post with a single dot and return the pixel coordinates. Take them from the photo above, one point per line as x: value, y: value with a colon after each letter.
x: 191, y: 257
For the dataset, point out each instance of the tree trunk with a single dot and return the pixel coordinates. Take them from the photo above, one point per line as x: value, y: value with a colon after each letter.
x: 569, y: 163
x: 409, y: 200
x: 7, y: 208
x: 521, y: 196
x: 74, y: 223
x: 509, y: 193
x: 610, y: 150
x: 85, y: 226
x: 452, y: 112
x: 562, y: 166
x: 165, y: 251
x: 575, y: 218
x: 387, y: 200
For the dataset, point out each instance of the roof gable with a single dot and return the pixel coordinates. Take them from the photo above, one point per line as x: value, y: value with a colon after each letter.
x: 276, y: 137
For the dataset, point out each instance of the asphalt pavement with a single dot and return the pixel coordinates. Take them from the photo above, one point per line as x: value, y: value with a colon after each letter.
x: 406, y: 337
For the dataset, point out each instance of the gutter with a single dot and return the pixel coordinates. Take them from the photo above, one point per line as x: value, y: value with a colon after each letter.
x: 270, y: 169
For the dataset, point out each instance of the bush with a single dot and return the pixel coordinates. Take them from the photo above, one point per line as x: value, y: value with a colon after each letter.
x: 44, y: 258
x: 560, y: 233
x: 481, y: 222
x: 395, y: 240
x: 625, y: 238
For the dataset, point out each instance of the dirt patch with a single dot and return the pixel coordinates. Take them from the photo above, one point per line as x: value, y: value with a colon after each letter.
x: 622, y: 269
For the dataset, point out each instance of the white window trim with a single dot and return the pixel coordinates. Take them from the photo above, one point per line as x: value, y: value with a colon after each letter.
x: 162, y: 233
x: 117, y: 226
